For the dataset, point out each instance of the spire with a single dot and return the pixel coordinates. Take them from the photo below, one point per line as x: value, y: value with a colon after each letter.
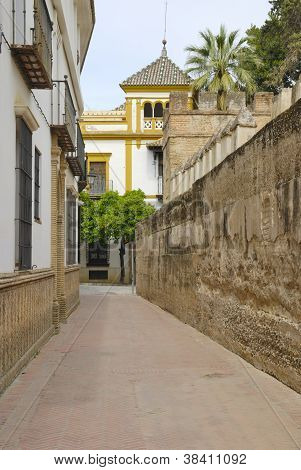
x: 164, y: 51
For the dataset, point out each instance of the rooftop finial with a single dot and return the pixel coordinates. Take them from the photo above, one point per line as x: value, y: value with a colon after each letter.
x: 164, y: 42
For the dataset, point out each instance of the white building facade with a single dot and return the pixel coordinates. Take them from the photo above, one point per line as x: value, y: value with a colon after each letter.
x: 124, y: 150
x: 42, y: 162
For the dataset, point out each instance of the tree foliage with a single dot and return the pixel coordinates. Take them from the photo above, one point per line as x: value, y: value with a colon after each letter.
x: 278, y: 44
x: 222, y: 63
x: 112, y: 216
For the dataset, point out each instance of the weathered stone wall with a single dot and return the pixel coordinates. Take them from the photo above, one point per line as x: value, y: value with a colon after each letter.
x: 225, y: 256
x: 186, y: 131
x: 26, y: 321
x: 234, y: 100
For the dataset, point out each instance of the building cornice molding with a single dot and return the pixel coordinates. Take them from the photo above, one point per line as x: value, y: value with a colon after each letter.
x: 105, y: 155
x: 26, y: 114
x: 129, y: 136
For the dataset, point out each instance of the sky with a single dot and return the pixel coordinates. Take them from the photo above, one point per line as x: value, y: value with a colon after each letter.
x: 128, y: 36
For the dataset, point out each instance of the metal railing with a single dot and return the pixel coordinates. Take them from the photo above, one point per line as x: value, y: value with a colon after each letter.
x: 80, y: 152
x: 63, y: 113
x: 43, y: 34
x: 40, y: 35
x: 99, y: 185
x: 98, y: 254
x: 160, y: 185
x: 77, y: 159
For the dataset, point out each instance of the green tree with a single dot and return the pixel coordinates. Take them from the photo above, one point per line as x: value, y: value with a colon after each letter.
x: 288, y: 13
x: 113, y: 217
x: 278, y: 44
x: 222, y: 63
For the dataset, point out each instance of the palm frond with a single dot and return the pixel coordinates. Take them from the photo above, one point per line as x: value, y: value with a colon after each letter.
x: 202, y: 82
x: 222, y: 62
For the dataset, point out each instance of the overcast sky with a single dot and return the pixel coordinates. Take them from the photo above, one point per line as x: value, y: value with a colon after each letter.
x: 128, y: 36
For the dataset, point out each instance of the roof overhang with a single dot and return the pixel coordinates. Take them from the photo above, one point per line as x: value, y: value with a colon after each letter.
x: 155, y: 145
x: 86, y: 20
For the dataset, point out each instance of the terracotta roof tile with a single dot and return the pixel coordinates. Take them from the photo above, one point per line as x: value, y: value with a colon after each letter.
x: 161, y: 72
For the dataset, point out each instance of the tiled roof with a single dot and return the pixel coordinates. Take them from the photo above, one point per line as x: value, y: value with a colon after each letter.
x: 120, y: 108
x: 161, y: 72
x: 155, y: 144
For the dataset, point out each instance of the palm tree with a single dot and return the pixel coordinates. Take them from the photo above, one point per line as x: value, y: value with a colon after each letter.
x: 221, y: 64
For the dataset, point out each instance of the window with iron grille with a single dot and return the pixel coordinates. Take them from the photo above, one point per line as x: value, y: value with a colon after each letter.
x: 98, y: 254
x: 37, y: 157
x: 23, y: 196
x: 71, y: 229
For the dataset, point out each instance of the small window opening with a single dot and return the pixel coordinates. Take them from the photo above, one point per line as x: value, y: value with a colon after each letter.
x: 148, y: 110
x: 158, y: 110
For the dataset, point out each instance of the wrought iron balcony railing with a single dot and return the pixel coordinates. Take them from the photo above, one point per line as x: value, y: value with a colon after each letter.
x: 99, y: 185
x: 77, y: 159
x: 32, y: 42
x: 63, y: 115
x: 160, y: 185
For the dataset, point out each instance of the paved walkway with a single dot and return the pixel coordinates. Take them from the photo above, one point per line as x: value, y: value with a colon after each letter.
x: 123, y: 374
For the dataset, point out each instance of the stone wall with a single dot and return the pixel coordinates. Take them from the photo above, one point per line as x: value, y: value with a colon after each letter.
x: 234, y: 101
x: 186, y: 131
x: 26, y: 321
x: 225, y: 256
x: 286, y: 98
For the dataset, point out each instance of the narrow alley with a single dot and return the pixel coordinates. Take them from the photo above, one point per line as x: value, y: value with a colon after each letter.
x: 124, y: 374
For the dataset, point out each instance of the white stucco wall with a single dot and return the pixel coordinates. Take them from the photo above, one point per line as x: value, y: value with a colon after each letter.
x: 14, y: 91
x: 144, y: 170
x: 116, y: 162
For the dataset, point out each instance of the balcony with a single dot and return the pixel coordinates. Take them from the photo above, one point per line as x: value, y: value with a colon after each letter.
x: 151, y: 124
x: 32, y: 43
x: 77, y: 159
x: 99, y: 185
x: 63, y: 115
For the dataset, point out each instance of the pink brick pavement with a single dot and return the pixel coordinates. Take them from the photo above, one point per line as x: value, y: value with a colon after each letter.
x: 124, y: 374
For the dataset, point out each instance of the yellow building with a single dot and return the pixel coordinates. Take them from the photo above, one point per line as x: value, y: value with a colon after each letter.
x: 123, y: 147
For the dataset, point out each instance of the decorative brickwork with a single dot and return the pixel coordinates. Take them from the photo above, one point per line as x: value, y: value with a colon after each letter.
x: 26, y: 301
x: 71, y: 288
x: 55, y: 159
x: 61, y: 242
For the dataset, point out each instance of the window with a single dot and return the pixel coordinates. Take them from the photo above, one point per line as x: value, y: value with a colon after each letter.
x: 158, y: 110
x: 98, y: 183
x: 148, y: 110
x: 37, y: 157
x: 71, y: 246
x: 98, y: 275
x: 23, y: 196
x: 98, y: 254
x: 167, y: 105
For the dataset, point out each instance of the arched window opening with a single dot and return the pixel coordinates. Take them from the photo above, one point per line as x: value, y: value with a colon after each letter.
x: 167, y: 105
x: 158, y: 110
x: 148, y: 110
